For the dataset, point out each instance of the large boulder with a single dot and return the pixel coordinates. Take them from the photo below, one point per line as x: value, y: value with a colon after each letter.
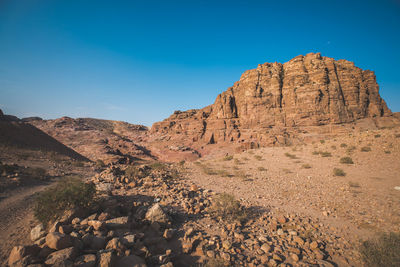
x: 64, y: 257
x: 157, y: 214
x: 58, y: 241
x: 18, y: 253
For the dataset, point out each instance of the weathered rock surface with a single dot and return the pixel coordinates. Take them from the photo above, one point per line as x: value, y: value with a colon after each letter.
x: 110, y: 141
x: 308, y: 90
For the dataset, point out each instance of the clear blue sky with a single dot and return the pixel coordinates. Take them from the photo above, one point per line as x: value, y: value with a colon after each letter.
x: 138, y: 61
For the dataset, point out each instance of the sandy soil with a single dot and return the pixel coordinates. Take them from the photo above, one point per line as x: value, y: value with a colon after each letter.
x: 296, y: 179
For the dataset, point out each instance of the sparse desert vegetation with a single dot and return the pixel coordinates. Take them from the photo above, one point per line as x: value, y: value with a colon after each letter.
x: 346, y: 160
x: 338, y: 172
x: 382, y: 251
x: 67, y: 194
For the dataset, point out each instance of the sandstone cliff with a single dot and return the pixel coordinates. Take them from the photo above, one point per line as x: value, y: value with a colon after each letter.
x: 307, y: 91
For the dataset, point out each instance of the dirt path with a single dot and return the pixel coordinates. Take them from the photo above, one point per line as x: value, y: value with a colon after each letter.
x: 16, y: 218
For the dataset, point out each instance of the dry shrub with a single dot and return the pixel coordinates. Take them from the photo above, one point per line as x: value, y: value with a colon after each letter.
x: 227, y: 208
x: 291, y: 156
x: 365, y: 149
x: 346, y: 160
x: 228, y: 157
x: 258, y: 157
x: 338, y: 172
x: 306, y: 166
x: 67, y: 194
x: 382, y: 251
x: 325, y: 154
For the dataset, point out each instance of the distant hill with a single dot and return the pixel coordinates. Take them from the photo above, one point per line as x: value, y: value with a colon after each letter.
x: 17, y: 134
x: 107, y: 140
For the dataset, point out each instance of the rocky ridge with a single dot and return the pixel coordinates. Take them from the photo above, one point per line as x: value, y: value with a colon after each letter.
x: 110, y: 141
x: 269, y: 104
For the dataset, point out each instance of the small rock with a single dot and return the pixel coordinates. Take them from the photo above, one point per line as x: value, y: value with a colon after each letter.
x: 169, y: 233
x: 97, y: 225
x: 194, y: 188
x: 294, y: 257
x: 88, y: 260
x: 76, y: 221
x: 314, y: 245
x: 117, y: 223
x: 106, y: 258
x: 128, y: 240
x: 266, y: 248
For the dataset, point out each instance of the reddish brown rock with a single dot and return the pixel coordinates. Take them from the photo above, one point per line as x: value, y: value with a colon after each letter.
x: 308, y: 90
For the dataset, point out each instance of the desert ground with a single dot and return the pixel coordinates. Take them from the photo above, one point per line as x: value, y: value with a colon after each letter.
x: 309, y: 204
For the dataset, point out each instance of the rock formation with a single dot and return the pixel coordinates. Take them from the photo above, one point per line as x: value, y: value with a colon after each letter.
x: 107, y: 140
x: 307, y: 91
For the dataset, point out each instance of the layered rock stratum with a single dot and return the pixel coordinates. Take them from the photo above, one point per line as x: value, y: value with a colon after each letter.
x: 306, y: 91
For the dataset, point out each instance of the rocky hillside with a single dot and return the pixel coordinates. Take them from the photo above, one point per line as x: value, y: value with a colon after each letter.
x: 16, y: 134
x: 106, y: 140
x: 268, y: 102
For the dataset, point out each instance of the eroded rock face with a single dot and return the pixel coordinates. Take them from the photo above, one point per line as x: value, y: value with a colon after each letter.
x: 308, y: 90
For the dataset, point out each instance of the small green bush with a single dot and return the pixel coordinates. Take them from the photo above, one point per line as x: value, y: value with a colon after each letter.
x: 258, y: 157
x: 158, y: 166
x: 325, y: 154
x: 346, y: 160
x: 351, y: 149
x: 365, y: 149
x: 37, y: 172
x: 207, y: 170
x: 306, y: 166
x: 68, y: 193
x: 228, y: 157
x: 322, y: 141
x: 223, y: 173
x: 134, y: 173
x: 291, y: 156
x: 382, y: 251
x: 354, y: 184
x: 338, y: 172
x: 78, y: 164
x: 100, y: 164
x: 227, y: 208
